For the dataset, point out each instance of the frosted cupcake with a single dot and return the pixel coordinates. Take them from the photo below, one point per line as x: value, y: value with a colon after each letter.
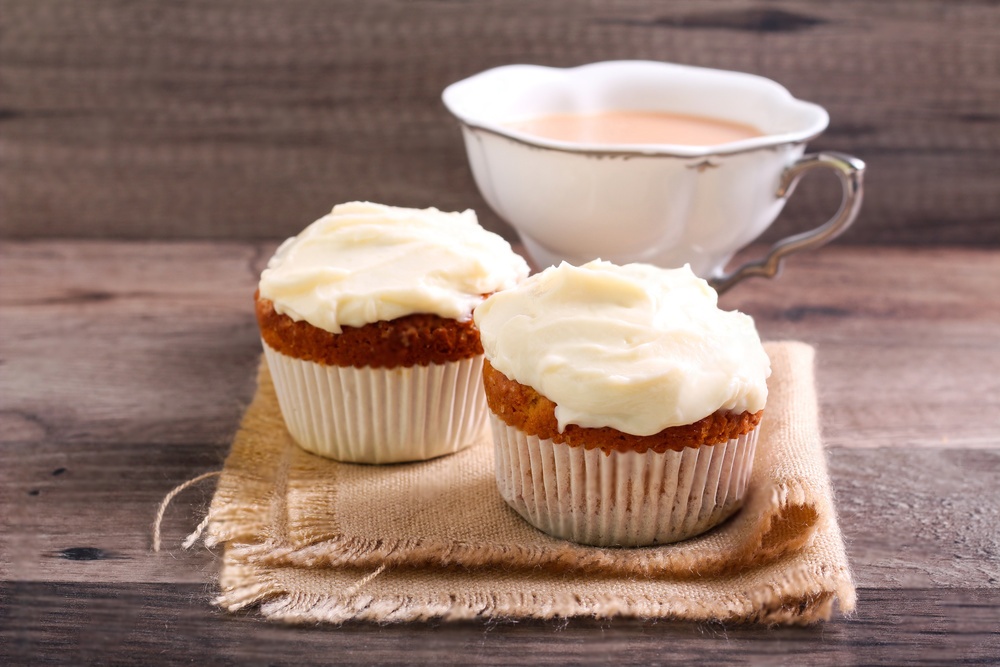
x: 366, y: 321
x: 625, y: 405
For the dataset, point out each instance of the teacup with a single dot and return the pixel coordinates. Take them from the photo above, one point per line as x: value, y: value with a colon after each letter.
x: 664, y: 204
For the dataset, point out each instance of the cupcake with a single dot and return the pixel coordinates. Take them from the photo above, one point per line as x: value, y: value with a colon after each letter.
x: 366, y: 322
x: 625, y: 405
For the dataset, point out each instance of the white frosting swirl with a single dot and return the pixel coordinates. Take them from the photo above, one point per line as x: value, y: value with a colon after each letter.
x: 634, y: 347
x: 367, y: 263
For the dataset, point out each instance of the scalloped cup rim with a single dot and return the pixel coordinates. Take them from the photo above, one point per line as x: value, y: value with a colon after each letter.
x: 587, y: 89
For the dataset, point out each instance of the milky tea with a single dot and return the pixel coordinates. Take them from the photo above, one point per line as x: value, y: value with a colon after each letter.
x: 636, y: 127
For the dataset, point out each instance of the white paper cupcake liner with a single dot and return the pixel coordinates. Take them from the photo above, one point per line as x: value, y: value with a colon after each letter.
x: 621, y: 498
x: 380, y: 415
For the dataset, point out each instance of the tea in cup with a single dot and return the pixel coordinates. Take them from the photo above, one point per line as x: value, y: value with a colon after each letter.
x: 639, y: 161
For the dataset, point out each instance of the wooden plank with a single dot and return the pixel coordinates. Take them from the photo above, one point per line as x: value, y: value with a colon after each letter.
x: 113, y: 341
x: 919, y: 518
x: 250, y: 119
x: 140, y: 624
x: 110, y: 342
x: 900, y: 337
x: 84, y: 512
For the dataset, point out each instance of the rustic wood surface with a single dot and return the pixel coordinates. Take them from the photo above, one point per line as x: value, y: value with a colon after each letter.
x: 125, y: 367
x: 250, y: 118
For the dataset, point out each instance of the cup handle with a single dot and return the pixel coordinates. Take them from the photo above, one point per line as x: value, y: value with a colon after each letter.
x: 850, y: 170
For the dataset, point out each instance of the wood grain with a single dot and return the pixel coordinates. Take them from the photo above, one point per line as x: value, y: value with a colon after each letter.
x: 249, y: 119
x: 173, y: 624
x: 187, y: 308
x: 125, y: 368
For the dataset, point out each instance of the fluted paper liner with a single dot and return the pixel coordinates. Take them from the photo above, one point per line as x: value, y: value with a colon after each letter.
x: 380, y: 415
x: 620, y: 498
x: 309, y: 539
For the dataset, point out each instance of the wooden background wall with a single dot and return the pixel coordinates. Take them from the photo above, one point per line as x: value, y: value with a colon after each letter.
x: 250, y: 118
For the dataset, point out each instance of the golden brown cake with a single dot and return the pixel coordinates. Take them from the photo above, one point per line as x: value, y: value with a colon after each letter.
x: 529, y: 412
x: 412, y: 339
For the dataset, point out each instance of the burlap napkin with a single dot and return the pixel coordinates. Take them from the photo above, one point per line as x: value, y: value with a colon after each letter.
x: 308, y: 539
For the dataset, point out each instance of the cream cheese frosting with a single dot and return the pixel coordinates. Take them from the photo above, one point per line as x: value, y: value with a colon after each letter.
x: 635, y: 347
x: 365, y: 263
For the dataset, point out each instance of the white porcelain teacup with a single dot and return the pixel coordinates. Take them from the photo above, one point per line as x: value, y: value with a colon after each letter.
x: 662, y: 204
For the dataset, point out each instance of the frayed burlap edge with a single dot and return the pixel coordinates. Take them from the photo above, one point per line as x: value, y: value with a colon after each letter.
x: 799, y: 597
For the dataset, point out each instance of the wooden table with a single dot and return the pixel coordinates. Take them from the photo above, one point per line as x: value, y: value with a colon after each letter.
x: 125, y: 366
